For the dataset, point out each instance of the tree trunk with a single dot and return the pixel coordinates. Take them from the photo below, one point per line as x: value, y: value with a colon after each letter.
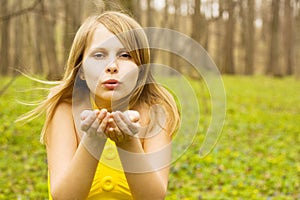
x: 53, y: 71
x: 197, y: 22
x: 297, y: 46
x: 273, y: 65
x: 244, y: 35
x: 249, y: 54
x: 198, y: 27
x: 137, y: 11
x: 38, y: 45
x: 18, y: 41
x: 73, y: 14
x: 219, y: 27
x: 149, y: 19
x: 5, y: 39
x: 228, y: 43
x: 166, y: 17
x: 288, y: 37
x: 174, y: 59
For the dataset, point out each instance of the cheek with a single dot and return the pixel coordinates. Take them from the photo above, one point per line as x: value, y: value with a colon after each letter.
x: 131, y: 77
x: 92, y: 73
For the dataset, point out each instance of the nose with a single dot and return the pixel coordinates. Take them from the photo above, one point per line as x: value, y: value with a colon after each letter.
x: 112, y: 68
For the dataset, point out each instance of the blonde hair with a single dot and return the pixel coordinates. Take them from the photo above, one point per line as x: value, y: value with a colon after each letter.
x: 132, y: 36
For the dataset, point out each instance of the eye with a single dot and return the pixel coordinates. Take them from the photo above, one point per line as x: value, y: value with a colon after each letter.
x: 125, y: 55
x: 98, y: 55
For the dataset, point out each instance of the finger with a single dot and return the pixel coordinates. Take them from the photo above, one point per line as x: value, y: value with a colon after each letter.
x: 87, y: 113
x: 133, y: 115
x: 111, y: 134
x: 119, y: 134
x: 93, y: 128
x: 84, y: 114
x: 122, y: 122
x: 116, y: 135
x: 102, y: 127
x: 132, y: 126
x: 102, y: 114
x: 89, y: 118
x: 111, y: 123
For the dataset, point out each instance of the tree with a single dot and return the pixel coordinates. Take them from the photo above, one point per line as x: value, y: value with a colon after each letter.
x: 137, y: 11
x: 149, y: 20
x: 18, y: 41
x: 37, y: 34
x: 174, y: 59
x: 288, y: 37
x: 228, y: 42
x: 72, y: 16
x: 49, y: 22
x: 36, y: 43
x: 250, y: 32
x: 197, y: 27
x: 273, y: 67
x: 297, y: 44
x: 5, y: 39
x: 219, y: 27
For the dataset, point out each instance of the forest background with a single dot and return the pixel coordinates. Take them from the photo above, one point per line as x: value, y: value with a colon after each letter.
x: 254, y: 43
x: 242, y: 36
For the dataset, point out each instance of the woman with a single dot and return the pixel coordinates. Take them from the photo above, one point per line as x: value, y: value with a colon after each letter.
x: 109, y: 125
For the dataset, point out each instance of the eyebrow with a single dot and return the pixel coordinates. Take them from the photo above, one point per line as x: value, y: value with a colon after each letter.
x: 105, y: 49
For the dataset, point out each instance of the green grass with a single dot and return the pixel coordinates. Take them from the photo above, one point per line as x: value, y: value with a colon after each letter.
x: 23, y: 168
x: 257, y: 156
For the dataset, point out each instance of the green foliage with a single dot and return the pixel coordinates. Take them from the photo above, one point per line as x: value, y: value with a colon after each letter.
x: 23, y: 168
x: 257, y: 156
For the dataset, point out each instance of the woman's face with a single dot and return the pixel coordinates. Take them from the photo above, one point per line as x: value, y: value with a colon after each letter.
x: 108, y: 69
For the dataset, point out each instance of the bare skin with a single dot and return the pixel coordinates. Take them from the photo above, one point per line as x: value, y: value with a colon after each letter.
x: 69, y: 160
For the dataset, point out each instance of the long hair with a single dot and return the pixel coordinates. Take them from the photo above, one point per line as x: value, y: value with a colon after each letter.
x: 132, y: 36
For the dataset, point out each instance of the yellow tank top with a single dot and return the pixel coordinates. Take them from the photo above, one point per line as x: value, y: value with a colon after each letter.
x: 109, y: 181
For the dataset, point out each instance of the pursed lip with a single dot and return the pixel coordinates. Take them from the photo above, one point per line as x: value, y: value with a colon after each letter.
x: 111, y: 84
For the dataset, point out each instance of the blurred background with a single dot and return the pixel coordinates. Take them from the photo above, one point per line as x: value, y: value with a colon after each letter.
x: 254, y: 43
x: 242, y: 36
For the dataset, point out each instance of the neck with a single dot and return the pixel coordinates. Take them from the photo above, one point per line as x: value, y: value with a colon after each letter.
x: 118, y: 105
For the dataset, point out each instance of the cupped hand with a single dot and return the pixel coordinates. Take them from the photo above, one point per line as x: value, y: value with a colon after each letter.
x: 94, y: 122
x: 122, y: 126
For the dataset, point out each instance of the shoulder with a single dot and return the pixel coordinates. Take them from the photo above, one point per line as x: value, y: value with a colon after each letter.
x: 61, y: 122
x: 63, y: 113
x: 63, y: 110
x: 64, y: 106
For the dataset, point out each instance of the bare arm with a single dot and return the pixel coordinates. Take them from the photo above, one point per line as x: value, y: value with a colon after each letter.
x: 146, y: 165
x: 147, y: 174
x: 71, y: 167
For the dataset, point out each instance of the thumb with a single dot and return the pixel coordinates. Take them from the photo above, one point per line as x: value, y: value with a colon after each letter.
x: 84, y: 114
x: 133, y: 115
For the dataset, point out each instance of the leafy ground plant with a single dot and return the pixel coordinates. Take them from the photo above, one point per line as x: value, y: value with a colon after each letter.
x: 257, y: 156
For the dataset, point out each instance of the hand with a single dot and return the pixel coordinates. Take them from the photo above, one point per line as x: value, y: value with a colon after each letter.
x: 122, y: 126
x: 94, y: 122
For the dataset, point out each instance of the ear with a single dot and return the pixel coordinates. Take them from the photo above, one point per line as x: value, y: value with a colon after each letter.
x: 81, y: 74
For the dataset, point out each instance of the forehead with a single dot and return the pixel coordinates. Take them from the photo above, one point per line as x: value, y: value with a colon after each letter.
x: 103, y: 38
